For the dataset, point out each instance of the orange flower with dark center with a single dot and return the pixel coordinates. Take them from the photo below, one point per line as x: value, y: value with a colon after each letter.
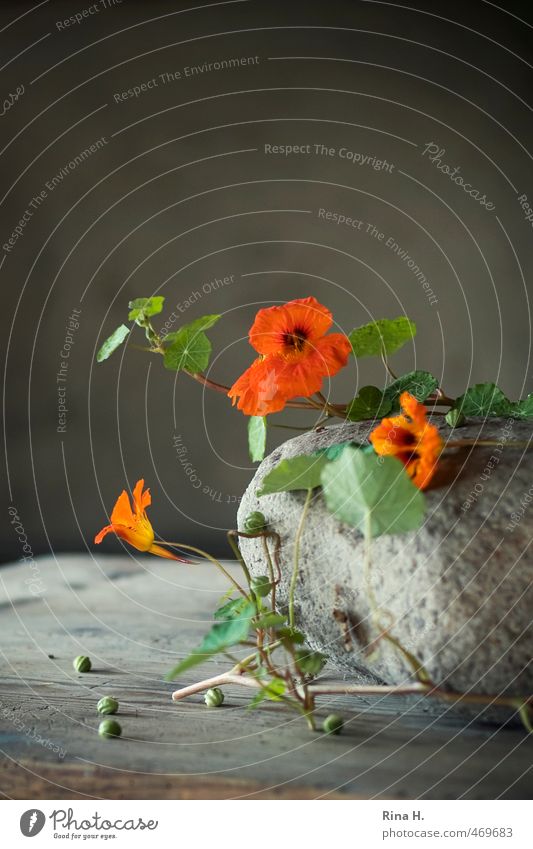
x: 134, y: 526
x: 295, y: 356
x: 412, y: 439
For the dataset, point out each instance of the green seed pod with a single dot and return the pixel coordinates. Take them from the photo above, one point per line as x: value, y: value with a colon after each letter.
x: 82, y: 663
x: 455, y: 418
x: 107, y: 704
x: 261, y: 586
x: 254, y: 522
x: 109, y: 728
x: 333, y: 724
x: 214, y: 697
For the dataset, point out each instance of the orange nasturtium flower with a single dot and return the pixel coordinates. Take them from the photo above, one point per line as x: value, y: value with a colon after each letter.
x: 411, y: 438
x: 295, y: 355
x: 134, y: 526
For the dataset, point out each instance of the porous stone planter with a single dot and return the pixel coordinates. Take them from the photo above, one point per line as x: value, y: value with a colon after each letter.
x: 459, y: 589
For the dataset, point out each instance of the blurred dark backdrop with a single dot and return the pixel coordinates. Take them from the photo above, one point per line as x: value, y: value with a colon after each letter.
x: 180, y: 193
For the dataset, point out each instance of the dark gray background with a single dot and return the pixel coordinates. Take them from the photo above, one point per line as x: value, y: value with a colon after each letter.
x: 169, y: 204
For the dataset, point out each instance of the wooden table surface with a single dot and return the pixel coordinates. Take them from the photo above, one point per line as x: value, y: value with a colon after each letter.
x: 134, y: 619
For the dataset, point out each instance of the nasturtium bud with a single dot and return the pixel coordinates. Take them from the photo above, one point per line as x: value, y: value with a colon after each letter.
x: 455, y: 418
x: 82, y: 663
x: 310, y: 662
x: 107, y: 704
x: 214, y: 697
x: 261, y: 586
x: 254, y: 522
x: 333, y: 724
x: 109, y: 728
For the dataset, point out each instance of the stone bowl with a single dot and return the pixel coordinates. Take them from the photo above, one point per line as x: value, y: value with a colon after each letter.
x: 459, y: 589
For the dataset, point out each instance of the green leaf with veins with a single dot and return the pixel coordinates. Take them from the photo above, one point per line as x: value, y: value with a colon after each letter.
x: 270, y: 620
x: 188, y: 351
x: 112, y: 343
x: 231, y: 609
x: 369, y: 403
x: 199, y: 325
x: 310, y: 662
x: 359, y: 485
x: 223, y: 635
x: 291, y: 636
x: 455, y: 418
x: 484, y: 399
x: 143, y: 308
x: 274, y: 690
x: 420, y: 384
x: 382, y: 336
x: 205, y: 322
x: 523, y: 409
x: 333, y: 451
x: 301, y: 472
x: 257, y: 430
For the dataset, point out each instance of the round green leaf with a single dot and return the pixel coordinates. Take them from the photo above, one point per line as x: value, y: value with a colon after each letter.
x: 190, y: 351
x: 358, y: 485
x: 420, y: 384
x: 384, y: 336
x: 369, y: 403
x: 484, y: 399
x: 296, y: 473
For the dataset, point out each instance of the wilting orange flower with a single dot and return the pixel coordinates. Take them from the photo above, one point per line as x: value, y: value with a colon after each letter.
x: 411, y: 438
x: 134, y: 526
x: 295, y: 356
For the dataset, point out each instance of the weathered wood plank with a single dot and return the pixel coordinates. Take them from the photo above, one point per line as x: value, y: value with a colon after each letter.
x: 134, y: 620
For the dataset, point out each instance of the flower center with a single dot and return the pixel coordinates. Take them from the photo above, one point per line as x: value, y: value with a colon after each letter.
x: 295, y: 339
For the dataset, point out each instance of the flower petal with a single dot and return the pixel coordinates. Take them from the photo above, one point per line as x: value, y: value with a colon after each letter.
x: 141, y: 499
x: 109, y: 529
x: 258, y: 388
x: 302, y: 378
x: 413, y: 408
x: 411, y: 438
x: 324, y: 358
x: 122, y: 512
x: 141, y: 536
x: 273, y: 324
x: 334, y: 351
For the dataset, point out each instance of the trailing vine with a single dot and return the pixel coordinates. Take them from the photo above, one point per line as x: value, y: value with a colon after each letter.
x: 376, y: 487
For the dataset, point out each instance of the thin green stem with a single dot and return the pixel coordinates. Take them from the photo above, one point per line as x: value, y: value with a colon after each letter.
x: 367, y: 566
x: 212, y: 559
x: 244, y: 663
x: 270, y: 573
x: 267, y: 535
x: 328, y: 408
x: 387, y: 366
x: 416, y: 665
x: 294, y: 578
x: 220, y: 387
x: 238, y: 554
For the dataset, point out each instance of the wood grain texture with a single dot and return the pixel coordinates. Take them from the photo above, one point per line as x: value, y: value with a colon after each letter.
x: 134, y: 618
